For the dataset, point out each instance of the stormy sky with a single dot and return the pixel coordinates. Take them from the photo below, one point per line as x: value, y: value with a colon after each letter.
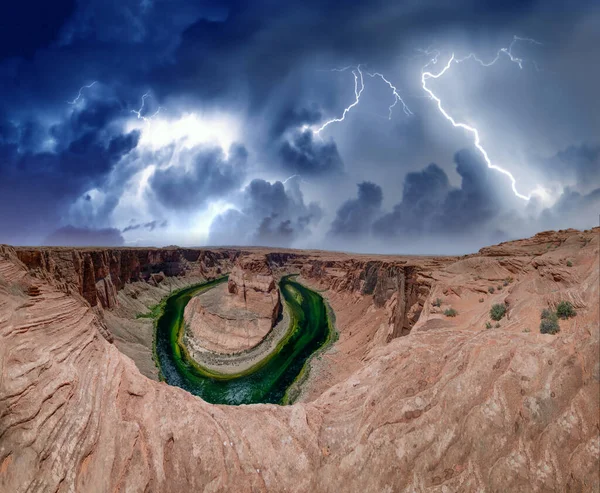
x: 160, y: 122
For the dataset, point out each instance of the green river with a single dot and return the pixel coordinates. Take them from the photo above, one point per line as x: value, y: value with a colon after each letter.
x: 269, y: 380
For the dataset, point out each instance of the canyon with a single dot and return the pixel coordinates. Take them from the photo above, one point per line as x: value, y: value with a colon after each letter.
x: 417, y: 394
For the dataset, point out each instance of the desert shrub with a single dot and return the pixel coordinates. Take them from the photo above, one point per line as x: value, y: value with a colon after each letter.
x: 499, y: 288
x: 488, y: 325
x: 549, y: 326
x: 491, y: 290
x: 569, y: 263
x: 549, y: 323
x: 498, y: 311
x: 508, y: 280
x: 527, y: 330
x: 565, y: 310
x: 481, y: 300
x: 437, y: 302
x: 451, y: 312
x: 505, y: 283
x: 497, y: 325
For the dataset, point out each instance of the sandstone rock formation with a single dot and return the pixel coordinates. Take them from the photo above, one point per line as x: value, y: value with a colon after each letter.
x: 98, y: 275
x: 235, y: 317
x: 451, y: 406
x: 122, y: 283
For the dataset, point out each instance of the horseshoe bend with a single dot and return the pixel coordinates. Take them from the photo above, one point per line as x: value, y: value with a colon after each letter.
x: 257, y: 369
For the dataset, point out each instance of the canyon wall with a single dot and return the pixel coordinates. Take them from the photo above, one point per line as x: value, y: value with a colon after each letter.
x: 98, y: 274
x: 400, y: 286
x: 123, y: 284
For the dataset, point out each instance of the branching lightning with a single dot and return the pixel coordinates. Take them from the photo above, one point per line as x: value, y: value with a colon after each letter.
x: 397, y: 97
x: 138, y: 113
x: 426, y: 75
x: 80, y: 93
x: 359, y: 85
x: 507, y: 51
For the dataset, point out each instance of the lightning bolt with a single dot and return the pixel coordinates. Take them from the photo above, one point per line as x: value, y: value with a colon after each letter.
x: 426, y: 75
x: 80, y: 93
x: 506, y: 51
x: 138, y: 113
x: 359, y: 85
x: 397, y: 97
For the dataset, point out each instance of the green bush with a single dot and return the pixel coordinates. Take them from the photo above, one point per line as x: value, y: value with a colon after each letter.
x: 498, y: 311
x: 488, y: 325
x: 437, y: 302
x: 451, y: 312
x: 546, y: 313
x: 549, y: 326
x: 497, y: 325
x: 569, y: 263
x: 549, y: 323
x: 565, y: 310
x: 491, y: 289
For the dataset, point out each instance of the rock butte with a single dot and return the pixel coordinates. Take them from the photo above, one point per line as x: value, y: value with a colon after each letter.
x: 406, y: 400
x: 235, y: 317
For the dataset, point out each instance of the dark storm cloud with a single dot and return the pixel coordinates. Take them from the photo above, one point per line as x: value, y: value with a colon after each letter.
x: 272, y: 231
x: 72, y: 236
x: 24, y: 28
x: 355, y: 216
x: 234, y: 51
x: 423, y: 196
x: 202, y: 174
x: 306, y: 154
x: 579, y: 162
x: 293, y: 118
x: 262, y: 48
x: 567, y: 212
x: 269, y: 214
x: 430, y: 206
x: 261, y: 61
x: 40, y: 184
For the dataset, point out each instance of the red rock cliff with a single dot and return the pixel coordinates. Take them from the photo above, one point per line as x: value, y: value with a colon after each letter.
x: 97, y: 274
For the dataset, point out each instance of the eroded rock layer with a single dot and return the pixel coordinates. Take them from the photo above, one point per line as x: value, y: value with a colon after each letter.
x: 452, y: 406
x: 238, y: 316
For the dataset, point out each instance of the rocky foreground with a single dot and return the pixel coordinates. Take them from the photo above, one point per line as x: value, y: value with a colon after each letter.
x: 409, y: 398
